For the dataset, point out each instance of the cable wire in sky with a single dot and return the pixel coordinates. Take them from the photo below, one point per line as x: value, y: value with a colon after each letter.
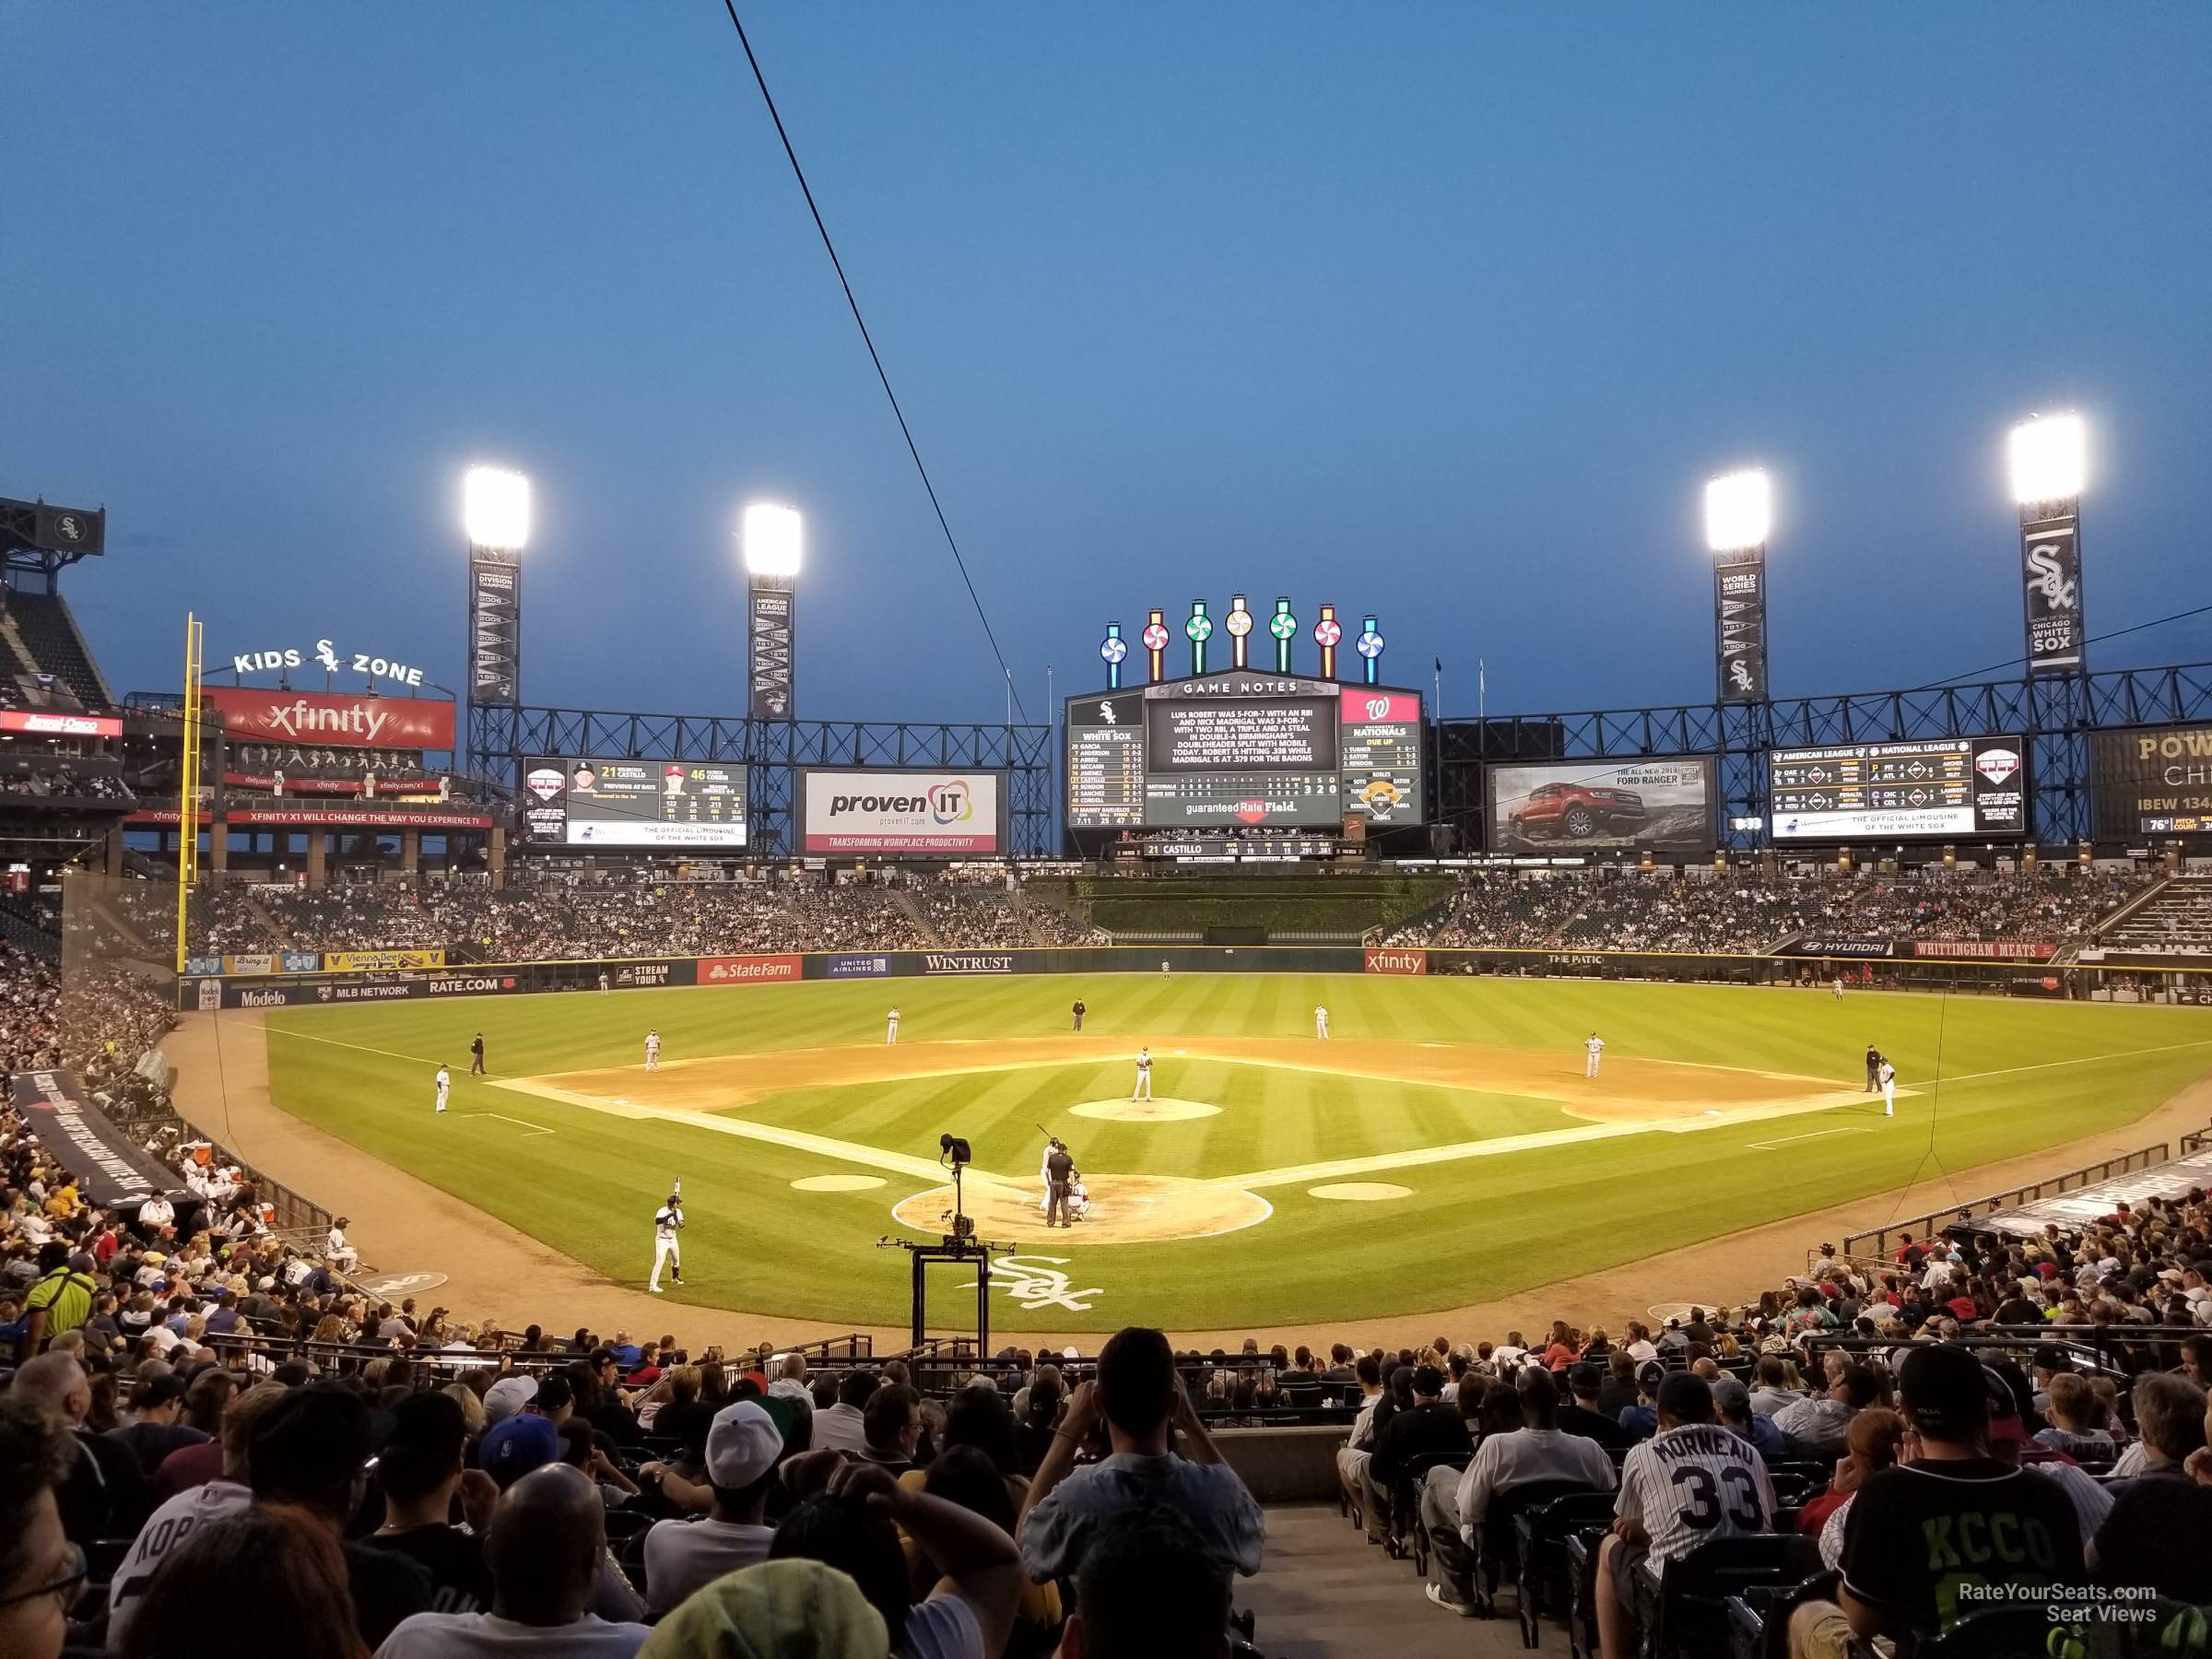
x: 867, y: 339
x: 2093, y: 640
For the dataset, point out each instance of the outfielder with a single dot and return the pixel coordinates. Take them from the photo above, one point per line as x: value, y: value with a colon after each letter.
x: 667, y: 1221
x: 1320, y: 1023
x: 445, y: 1085
x: 1886, y: 1077
x: 653, y: 1051
x: 1143, y: 1091
x: 892, y: 1035
x: 1594, y: 1051
x: 602, y: 984
x: 1839, y: 987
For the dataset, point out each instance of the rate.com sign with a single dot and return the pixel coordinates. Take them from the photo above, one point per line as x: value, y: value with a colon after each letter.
x: 885, y: 812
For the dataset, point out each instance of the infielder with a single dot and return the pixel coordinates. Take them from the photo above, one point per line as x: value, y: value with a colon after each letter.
x: 1886, y: 1077
x: 1320, y: 1023
x: 445, y: 1085
x: 1143, y: 1091
x: 892, y: 1035
x: 667, y: 1221
x: 1594, y: 1051
x: 653, y: 1051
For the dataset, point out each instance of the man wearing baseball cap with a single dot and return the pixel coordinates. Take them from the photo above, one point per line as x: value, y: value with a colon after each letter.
x: 744, y: 1446
x: 1937, y: 1536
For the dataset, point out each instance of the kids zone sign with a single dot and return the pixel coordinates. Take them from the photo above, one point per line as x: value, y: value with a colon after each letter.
x: 910, y: 813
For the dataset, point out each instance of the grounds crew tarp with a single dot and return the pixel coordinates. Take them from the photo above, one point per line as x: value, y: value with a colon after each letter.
x: 110, y: 1170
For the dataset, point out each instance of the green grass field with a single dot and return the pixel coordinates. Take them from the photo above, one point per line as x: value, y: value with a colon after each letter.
x: 2021, y: 1075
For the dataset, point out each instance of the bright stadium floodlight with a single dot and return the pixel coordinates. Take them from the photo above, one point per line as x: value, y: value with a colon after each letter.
x: 496, y: 508
x: 2048, y: 458
x: 771, y: 537
x: 1739, y: 512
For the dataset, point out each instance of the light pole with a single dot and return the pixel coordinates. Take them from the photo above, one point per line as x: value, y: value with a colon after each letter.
x: 2049, y: 463
x: 1739, y: 514
x: 772, y: 538
x: 495, y: 514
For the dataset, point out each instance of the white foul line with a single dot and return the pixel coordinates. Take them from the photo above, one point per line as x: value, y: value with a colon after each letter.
x: 2166, y: 1048
x: 534, y: 1128
x: 1814, y: 1134
x: 335, y: 1043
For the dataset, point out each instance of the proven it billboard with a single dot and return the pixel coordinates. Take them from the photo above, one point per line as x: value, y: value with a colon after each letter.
x: 884, y: 812
x: 1665, y: 805
x: 323, y: 720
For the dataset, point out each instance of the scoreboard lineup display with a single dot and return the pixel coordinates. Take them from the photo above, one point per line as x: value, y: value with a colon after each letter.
x: 634, y: 803
x: 1964, y: 787
x: 1242, y: 748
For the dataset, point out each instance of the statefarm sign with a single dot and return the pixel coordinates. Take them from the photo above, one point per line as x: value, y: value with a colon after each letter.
x: 323, y: 719
x: 751, y: 970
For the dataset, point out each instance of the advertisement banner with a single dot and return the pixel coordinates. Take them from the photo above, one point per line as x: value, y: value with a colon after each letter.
x: 2151, y: 782
x: 380, y: 961
x: 771, y: 662
x: 248, y: 964
x: 967, y: 961
x: 357, y: 817
x: 878, y: 813
x: 299, y: 961
x: 855, y: 966
x: 751, y: 970
x: 1988, y: 950
x: 473, y: 984
x: 1817, y: 947
x: 2051, y: 591
x: 1943, y: 786
x: 1665, y: 804
x: 633, y: 976
x: 44, y: 724
x: 110, y: 1170
x: 1739, y: 617
x: 495, y: 626
x: 203, y: 964
x: 1383, y: 961
x: 325, y: 719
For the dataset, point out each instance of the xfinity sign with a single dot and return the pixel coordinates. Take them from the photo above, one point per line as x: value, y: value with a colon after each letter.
x: 903, y: 813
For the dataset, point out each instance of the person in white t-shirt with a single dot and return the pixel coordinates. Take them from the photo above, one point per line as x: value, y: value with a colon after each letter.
x: 1594, y: 1050
x: 743, y: 1447
x: 156, y: 1213
x: 544, y: 1550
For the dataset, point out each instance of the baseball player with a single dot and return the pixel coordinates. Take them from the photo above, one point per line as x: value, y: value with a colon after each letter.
x: 475, y: 1057
x: 1044, y: 1173
x: 653, y: 1051
x: 603, y: 982
x: 1320, y: 1023
x: 1886, y: 1074
x: 445, y: 1085
x: 1839, y: 987
x: 1143, y: 1091
x: 891, y: 1035
x: 1593, y: 1053
x: 667, y: 1221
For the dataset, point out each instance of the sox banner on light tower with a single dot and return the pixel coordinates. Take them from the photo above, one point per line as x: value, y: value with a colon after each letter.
x: 2047, y: 456
x: 772, y: 538
x: 1739, y: 512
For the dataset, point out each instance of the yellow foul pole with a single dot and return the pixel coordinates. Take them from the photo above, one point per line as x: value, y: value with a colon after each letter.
x: 188, y: 787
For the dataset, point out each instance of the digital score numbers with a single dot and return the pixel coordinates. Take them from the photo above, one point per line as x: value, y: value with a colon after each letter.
x: 634, y: 803
x: 1963, y: 786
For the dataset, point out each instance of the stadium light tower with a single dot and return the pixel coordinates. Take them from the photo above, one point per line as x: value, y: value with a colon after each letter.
x: 2048, y: 457
x: 1739, y: 511
x: 773, y: 537
x: 495, y: 513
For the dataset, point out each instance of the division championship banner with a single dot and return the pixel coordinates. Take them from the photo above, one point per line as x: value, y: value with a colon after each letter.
x: 771, y: 646
x: 495, y: 626
x: 2051, y: 577
x: 1739, y: 619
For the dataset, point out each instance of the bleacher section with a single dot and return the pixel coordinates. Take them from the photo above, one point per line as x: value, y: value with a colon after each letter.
x: 49, y: 636
x: 2175, y: 921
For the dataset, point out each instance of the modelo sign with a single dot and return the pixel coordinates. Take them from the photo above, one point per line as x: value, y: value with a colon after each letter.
x: 1397, y: 961
x: 905, y: 814
x: 323, y: 720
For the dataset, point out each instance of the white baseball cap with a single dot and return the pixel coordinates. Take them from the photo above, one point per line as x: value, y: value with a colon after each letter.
x: 743, y: 1444
x: 507, y: 1396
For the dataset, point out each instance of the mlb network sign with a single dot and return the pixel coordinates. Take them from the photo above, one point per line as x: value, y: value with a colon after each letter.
x: 925, y: 814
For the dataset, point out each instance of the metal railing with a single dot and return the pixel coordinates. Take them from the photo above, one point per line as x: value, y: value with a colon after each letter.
x: 2121, y: 1351
x: 1920, y: 1227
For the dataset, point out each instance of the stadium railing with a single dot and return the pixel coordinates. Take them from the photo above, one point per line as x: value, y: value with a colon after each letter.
x: 1883, y: 1242
x: 2108, y: 1349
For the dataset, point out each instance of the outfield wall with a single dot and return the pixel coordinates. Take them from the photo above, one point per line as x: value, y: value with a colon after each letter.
x: 265, y: 990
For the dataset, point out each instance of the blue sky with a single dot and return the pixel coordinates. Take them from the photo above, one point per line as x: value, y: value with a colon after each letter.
x: 1443, y: 312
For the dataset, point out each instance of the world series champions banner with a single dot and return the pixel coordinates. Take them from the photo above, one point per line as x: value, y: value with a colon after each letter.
x: 495, y: 626
x: 2051, y: 574
x: 1739, y: 619
x: 771, y: 659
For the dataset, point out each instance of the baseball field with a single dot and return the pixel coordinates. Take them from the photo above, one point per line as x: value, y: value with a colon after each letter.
x: 1443, y: 1148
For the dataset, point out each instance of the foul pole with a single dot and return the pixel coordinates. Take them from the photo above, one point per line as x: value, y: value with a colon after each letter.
x: 188, y: 787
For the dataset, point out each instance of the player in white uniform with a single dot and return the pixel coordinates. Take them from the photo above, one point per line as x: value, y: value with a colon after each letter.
x: 891, y: 1035
x: 1320, y: 1023
x: 1839, y: 987
x: 1594, y: 1050
x: 1886, y: 1074
x: 603, y: 983
x: 1692, y: 1481
x: 445, y: 1085
x: 1143, y: 1091
x: 667, y: 1221
x: 653, y: 1051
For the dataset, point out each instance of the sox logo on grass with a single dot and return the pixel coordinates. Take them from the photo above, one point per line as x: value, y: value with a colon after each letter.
x: 1037, y: 1282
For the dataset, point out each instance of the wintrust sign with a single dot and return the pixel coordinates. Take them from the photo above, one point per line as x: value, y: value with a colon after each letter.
x: 967, y: 961
x: 323, y: 719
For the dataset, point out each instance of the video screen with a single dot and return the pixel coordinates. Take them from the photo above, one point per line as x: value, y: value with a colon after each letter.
x: 1592, y: 806
x: 602, y: 802
x: 1963, y: 786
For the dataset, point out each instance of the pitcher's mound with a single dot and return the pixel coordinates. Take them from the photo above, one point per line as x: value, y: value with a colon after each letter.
x: 1124, y: 1209
x: 1166, y: 1110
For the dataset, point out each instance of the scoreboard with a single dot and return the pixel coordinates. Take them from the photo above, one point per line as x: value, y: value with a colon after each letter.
x: 1950, y: 786
x: 1243, y: 748
x: 597, y: 803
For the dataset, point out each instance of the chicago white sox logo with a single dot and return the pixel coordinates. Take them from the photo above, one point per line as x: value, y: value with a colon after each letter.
x: 2047, y: 578
x: 1037, y: 1282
